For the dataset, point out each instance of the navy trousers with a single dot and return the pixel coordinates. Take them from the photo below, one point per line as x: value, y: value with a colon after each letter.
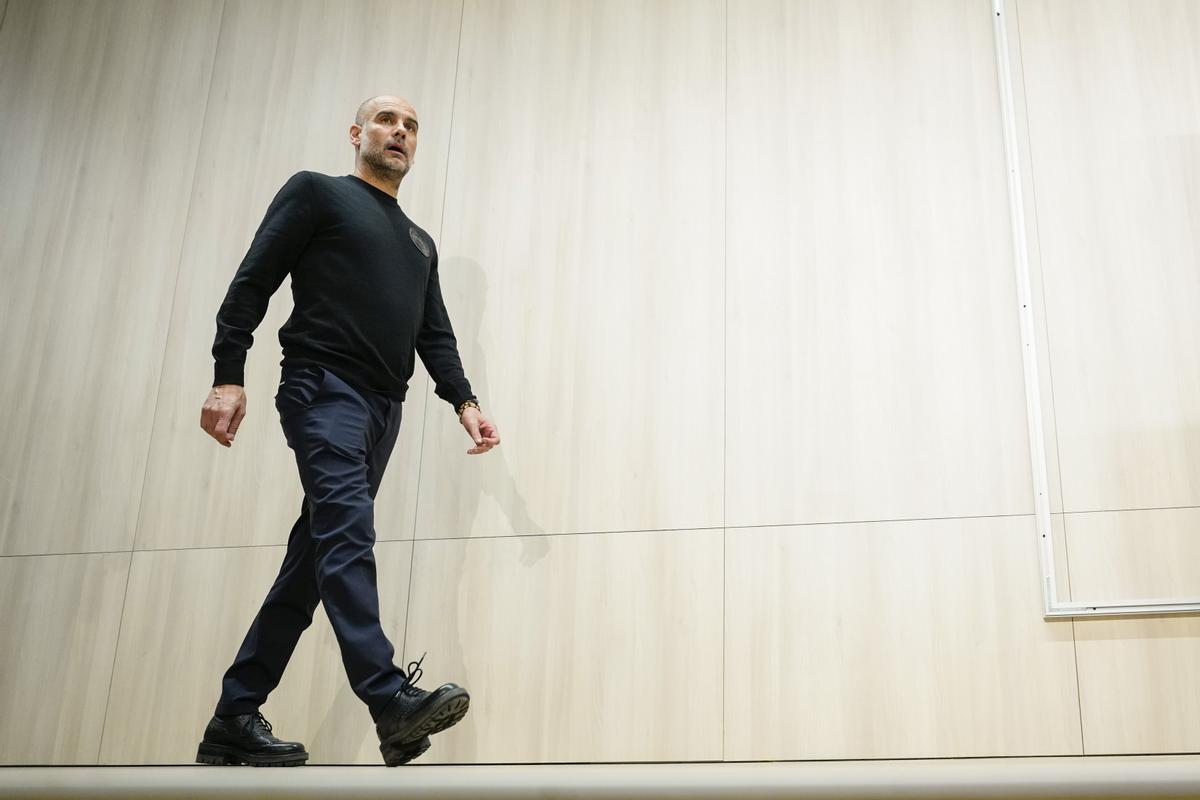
x: 342, y: 439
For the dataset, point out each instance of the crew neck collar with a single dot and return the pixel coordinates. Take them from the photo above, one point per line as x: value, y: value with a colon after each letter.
x: 374, y: 188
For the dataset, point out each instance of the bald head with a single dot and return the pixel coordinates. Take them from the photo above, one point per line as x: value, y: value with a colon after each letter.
x: 368, y: 106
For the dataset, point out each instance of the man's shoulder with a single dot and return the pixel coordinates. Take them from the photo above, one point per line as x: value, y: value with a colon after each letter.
x: 314, y: 180
x: 318, y: 188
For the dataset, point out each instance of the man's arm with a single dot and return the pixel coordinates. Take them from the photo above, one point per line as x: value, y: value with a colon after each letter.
x: 438, y: 350
x: 281, y: 238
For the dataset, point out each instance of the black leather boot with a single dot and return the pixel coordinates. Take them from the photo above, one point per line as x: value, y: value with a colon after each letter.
x: 247, y: 739
x: 415, y: 714
x: 396, y: 754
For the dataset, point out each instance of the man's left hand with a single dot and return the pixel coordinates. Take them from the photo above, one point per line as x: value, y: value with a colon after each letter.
x: 482, y: 432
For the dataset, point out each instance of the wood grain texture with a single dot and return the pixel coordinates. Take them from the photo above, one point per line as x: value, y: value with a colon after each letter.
x: 1138, y: 689
x: 1113, y: 96
x: 56, y: 653
x: 288, y: 80
x: 1129, y: 555
x: 873, y: 343
x: 186, y: 614
x: 893, y: 640
x: 594, y: 647
x: 98, y: 142
x: 1138, y: 681
x: 583, y: 254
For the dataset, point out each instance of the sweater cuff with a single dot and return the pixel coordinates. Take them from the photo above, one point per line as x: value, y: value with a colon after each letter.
x: 457, y: 395
x: 229, y: 372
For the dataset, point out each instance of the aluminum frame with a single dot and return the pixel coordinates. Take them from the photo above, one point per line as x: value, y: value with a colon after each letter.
x: 1053, y: 607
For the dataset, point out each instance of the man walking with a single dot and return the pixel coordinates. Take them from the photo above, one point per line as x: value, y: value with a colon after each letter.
x: 367, y: 297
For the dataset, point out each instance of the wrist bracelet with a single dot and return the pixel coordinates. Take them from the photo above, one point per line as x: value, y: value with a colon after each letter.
x: 468, y: 404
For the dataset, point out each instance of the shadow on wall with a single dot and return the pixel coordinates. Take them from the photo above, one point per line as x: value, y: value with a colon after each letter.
x: 488, y: 475
x: 491, y: 476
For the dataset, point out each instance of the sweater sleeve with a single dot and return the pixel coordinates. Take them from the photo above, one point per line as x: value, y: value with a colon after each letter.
x: 438, y: 348
x: 281, y: 238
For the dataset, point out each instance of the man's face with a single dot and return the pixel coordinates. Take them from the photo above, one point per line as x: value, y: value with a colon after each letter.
x: 387, y: 138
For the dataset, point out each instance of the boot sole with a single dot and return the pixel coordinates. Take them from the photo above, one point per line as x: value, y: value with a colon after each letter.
x: 220, y: 755
x: 396, y: 754
x: 442, y: 714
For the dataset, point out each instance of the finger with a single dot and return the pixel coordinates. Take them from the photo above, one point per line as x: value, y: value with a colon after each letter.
x: 208, y: 419
x: 236, y: 422
x: 221, y: 430
x: 472, y: 426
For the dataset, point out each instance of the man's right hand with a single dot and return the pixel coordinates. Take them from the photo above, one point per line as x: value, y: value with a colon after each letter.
x: 223, y: 411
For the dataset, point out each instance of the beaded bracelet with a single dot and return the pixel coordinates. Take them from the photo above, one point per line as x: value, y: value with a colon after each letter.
x: 468, y: 404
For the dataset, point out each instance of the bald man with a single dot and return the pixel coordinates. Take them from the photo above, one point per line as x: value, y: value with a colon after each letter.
x: 367, y: 298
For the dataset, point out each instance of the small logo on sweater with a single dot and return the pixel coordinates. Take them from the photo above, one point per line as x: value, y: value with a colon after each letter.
x: 419, y: 241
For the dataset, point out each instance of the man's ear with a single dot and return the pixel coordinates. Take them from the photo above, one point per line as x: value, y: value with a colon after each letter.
x: 356, y: 134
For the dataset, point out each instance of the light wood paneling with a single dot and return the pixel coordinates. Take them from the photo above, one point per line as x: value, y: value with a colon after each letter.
x: 601, y: 647
x: 893, y: 640
x: 1062, y: 571
x: 288, y: 79
x: 1138, y: 684
x: 1113, y: 96
x: 1138, y: 678
x: 1131, y: 555
x: 584, y: 239
x: 100, y: 130
x: 186, y: 614
x: 56, y: 654
x: 873, y: 339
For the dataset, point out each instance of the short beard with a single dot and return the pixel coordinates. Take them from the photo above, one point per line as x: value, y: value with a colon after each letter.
x: 382, y: 168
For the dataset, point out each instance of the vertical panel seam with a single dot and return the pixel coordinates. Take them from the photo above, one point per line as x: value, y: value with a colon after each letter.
x: 724, y: 375
x: 1078, y: 689
x: 162, y: 368
x: 412, y: 559
x: 1049, y: 364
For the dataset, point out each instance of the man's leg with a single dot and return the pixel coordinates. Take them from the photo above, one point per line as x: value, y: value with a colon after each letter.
x: 285, y: 614
x: 334, y: 439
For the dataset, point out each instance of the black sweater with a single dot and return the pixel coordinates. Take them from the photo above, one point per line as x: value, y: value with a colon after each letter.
x: 365, y: 287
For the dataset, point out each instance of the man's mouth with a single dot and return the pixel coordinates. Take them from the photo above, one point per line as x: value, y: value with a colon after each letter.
x: 395, y: 148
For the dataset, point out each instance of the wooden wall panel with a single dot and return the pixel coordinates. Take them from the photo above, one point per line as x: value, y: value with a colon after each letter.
x: 185, y: 616
x: 1127, y: 555
x: 1112, y: 91
x: 894, y: 640
x: 1138, y: 686
x: 103, y: 103
x: 601, y: 647
x: 873, y: 343
x: 583, y: 244
x: 1137, y: 676
x: 288, y: 80
x: 56, y: 654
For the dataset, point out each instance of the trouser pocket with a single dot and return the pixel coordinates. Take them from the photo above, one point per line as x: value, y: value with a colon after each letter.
x: 298, y: 390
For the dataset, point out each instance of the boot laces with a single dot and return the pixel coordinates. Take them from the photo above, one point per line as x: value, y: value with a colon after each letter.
x: 413, y: 675
x: 261, y: 720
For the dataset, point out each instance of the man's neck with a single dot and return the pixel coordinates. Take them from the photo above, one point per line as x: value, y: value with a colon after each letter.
x: 382, y: 184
